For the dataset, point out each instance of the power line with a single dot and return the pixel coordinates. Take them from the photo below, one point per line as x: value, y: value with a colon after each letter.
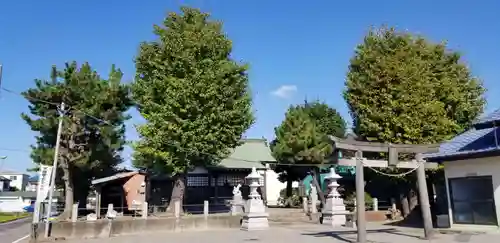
x: 15, y: 150
x: 171, y: 144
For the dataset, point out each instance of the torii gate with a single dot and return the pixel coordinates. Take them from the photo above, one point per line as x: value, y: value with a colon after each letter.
x: 393, y: 150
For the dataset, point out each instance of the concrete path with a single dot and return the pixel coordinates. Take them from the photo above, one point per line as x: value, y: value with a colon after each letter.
x: 299, y: 233
x: 15, y: 231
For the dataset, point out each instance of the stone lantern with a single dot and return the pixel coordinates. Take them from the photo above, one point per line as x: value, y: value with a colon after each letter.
x: 334, y: 212
x: 255, y: 217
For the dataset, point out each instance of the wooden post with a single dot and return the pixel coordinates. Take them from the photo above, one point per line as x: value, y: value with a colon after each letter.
x: 424, y: 198
x: 360, y: 198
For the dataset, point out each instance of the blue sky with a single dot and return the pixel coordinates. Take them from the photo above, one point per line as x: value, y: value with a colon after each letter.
x: 296, y: 49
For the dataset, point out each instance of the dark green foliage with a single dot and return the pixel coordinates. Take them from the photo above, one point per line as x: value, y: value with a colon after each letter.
x: 194, y: 97
x: 299, y: 139
x: 326, y: 118
x: 302, y: 138
x: 404, y: 89
x: 89, y: 147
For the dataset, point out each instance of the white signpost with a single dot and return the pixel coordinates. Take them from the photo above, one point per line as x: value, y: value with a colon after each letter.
x: 42, y: 190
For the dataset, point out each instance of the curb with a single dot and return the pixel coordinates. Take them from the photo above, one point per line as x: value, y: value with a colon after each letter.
x: 18, y: 220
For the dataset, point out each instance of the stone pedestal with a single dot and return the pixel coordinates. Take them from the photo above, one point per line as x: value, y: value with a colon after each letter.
x: 334, y: 212
x: 237, y: 203
x: 255, y: 217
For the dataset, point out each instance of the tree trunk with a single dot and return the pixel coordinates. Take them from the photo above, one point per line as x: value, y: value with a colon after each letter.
x: 412, y: 199
x: 289, y: 191
x: 316, y: 180
x: 68, y: 191
x: 405, y: 206
x: 81, y: 194
x: 178, y: 192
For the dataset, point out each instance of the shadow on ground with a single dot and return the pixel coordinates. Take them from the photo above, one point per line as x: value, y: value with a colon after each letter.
x: 342, y: 235
x: 413, y: 220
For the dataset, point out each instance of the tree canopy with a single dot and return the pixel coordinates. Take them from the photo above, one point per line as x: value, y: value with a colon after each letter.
x: 299, y: 139
x: 402, y: 88
x: 89, y: 147
x: 327, y: 119
x: 193, y: 95
x: 302, y: 139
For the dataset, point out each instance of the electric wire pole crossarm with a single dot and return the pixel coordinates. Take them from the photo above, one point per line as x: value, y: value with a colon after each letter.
x: 393, y: 149
x: 62, y: 111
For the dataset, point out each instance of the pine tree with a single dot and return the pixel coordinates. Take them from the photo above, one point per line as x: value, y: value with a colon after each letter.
x: 90, y: 147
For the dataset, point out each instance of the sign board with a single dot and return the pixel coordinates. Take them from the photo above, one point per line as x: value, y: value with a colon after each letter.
x: 44, y: 176
x: 43, y: 182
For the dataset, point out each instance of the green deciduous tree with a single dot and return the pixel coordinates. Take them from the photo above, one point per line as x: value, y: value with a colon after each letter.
x: 404, y: 89
x: 302, y: 138
x: 89, y: 147
x: 193, y: 95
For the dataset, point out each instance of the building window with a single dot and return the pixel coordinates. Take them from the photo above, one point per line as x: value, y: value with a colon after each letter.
x: 228, y: 180
x: 197, y: 181
x: 472, y: 200
x: 13, y: 178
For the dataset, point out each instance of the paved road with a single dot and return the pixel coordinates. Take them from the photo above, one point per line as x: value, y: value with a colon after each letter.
x: 16, y: 231
x: 298, y: 234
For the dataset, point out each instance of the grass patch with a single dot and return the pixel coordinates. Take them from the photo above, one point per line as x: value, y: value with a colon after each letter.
x: 6, y: 217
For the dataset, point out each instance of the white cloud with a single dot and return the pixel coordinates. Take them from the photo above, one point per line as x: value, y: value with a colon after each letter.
x: 285, y: 91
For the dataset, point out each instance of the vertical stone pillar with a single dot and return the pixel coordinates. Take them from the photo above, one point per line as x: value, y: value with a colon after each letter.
x: 177, y: 208
x: 205, y: 209
x: 145, y: 210
x: 305, y: 204
x: 314, y: 199
x: 74, y: 213
x: 255, y: 217
x: 334, y: 212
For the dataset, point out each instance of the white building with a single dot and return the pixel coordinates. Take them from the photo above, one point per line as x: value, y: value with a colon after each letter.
x: 17, y: 179
x: 472, y: 175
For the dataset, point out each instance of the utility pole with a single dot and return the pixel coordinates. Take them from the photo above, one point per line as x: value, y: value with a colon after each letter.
x: 54, y: 168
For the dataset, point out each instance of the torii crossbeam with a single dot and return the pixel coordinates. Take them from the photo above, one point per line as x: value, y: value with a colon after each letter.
x: 393, y: 150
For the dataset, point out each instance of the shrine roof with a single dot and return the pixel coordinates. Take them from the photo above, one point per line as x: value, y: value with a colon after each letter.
x: 481, y: 140
x: 251, y: 153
